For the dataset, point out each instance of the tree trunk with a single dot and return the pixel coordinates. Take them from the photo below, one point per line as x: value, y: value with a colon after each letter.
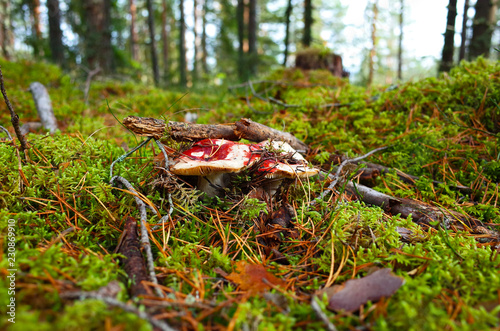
x: 134, y: 45
x: 55, y: 33
x: 252, y: 36
x: 6, y: 37
x: 240, y: 18
x: 97, y: 36
x: 463, y: 35
x: 449, y: 37
x: 288, y: 13
x: 482, y: 28
x: 373, y: 51
x: 204, y: 65
x: 308, y: 22
x: 107, y: 58
x: 165, y: 38
x: 36, y: 29
x: 195, y: 43
x: 400, y: 47
x: 182, y: 46
x: 152, y: 42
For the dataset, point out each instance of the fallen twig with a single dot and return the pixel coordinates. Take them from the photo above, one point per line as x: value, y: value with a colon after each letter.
x: 6, y: 131
x: 336, y: 177
x: 115, y: 303
x: 144, y: 231
x: 243, y: 129
x: 321, y: 315
x: 420, y: 212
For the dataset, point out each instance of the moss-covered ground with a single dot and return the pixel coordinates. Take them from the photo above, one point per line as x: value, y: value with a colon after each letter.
x: 444, y: 129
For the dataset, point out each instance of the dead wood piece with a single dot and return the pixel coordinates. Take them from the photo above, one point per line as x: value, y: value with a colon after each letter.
x: 248, y: 129
x: 179, y: 131
x: 409, y: 179
x: 133, y: 261
x: 145, y: 126
x: 43, y: 106
x: 421, y: 213
x: 243, y: 129
x: 192, y: 132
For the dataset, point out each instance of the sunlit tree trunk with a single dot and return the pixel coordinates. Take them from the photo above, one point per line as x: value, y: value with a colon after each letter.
x: 373, y: 51
x: 288, y: 13
x: 449, y: 37
x: 165, y: 38
x: 204, y: 38
x: 482, y: 28
x: 134, y: 45
x: 463, y: 35
x: 55, y: 33
x: 308, y: 22
x: 252, y: 36
x: 152, y: 43
x: 400, y: 45
x: 182, y: 46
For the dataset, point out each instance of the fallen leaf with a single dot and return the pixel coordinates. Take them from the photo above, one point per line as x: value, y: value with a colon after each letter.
x: 356, y: 292
x: 253, y: 277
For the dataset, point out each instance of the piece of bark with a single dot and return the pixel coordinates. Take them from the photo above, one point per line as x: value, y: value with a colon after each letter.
x: 179, y: 131
x: 43, y: 106
x: 421, y: 213
x: 133, y: 261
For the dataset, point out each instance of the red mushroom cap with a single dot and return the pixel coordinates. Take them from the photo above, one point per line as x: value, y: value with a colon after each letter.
x: 211, y: 156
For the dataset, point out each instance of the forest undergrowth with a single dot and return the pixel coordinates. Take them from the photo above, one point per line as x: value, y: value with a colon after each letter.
x: 239, y: 263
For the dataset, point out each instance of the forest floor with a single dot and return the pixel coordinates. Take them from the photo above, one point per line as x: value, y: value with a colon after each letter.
x: 311, y: 257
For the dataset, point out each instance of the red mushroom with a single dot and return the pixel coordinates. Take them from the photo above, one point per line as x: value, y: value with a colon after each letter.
x: 213, y: 159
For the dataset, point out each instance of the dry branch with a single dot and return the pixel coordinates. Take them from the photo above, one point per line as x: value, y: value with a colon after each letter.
x: 243, y: 129
x: 421, y: 212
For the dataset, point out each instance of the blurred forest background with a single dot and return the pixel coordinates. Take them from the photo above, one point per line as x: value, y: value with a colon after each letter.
x: 184, y: 43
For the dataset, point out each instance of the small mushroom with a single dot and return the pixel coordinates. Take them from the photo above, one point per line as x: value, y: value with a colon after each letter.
x: 212, y: 160
x: 277, y: 170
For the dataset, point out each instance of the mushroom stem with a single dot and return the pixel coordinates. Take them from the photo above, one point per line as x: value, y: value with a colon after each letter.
x: 213, y: 183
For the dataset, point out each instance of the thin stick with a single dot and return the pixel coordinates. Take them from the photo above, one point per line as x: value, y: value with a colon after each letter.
x: 115, y: 303
x: 144, y: 231
x: 322, y: 316
x: 124, y: 156
x: 14, y: 118
x: 6, y: 131
x: 167, y: 168
x: 337, y: 177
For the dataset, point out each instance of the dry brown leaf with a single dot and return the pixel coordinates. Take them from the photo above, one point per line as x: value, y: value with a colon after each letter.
x: 356, y: 292
x: 253, y: 277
